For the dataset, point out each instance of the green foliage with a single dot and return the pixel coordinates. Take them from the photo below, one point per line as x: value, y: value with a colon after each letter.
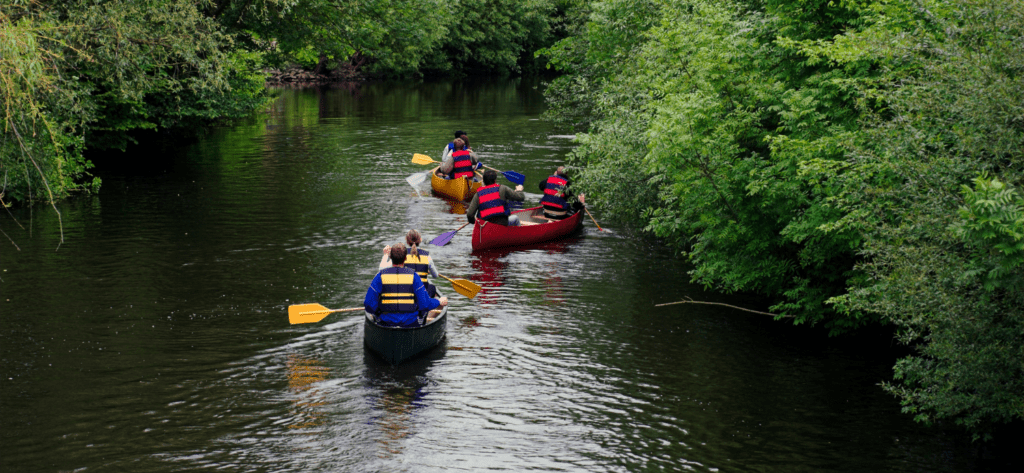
x: 87, y: 74
x: 993, y: 225
x: 812, y: 151
x: 393, y: 35
x: 487, y: 36
x: 725, y: 128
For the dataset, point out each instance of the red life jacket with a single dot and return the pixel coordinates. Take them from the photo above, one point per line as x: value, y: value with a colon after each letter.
x: 553, y: 194
x: 490, y: 200
x: 463, y: 164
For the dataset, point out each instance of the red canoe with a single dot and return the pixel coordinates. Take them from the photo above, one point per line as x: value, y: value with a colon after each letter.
x: 534, y: 228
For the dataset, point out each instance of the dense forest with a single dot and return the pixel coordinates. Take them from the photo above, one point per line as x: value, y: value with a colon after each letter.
x: 856, y: 161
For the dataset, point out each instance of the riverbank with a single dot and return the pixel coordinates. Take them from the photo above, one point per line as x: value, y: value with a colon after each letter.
x: 295, y: 75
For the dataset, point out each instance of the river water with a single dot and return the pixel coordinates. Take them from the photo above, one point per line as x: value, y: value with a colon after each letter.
x: 155, y: 336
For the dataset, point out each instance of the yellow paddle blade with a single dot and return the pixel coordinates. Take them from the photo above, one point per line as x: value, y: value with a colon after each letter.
x: 307, y: 313
x: 465, y: 287
x: 422, y: 159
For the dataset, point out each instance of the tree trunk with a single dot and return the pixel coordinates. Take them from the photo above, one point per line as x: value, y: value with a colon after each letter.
x: 321, y: 67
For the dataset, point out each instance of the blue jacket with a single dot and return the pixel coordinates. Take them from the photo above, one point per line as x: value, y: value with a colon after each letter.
x: 406, y: 319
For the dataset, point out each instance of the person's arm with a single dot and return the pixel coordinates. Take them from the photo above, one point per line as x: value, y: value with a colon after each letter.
x: 471, y: 210
x: 543, y: 185
x: 372, y: 300
x: 423, y: 300
x: 446, y: 152
x: 510, y: 194
x: 385, y: 261
x: 447, y: 164
x: 432, y: 270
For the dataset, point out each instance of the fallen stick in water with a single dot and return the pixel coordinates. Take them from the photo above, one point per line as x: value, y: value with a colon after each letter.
x: 691, y: 301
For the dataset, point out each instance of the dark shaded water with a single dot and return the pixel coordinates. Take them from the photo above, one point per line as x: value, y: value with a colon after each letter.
x: 155, y: 338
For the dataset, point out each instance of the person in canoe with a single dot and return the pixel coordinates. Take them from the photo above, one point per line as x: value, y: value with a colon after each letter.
x: 491, y: 201
x: 450, y: 147
x: 463, y: 162
x: 397, y: 296
x: 415, y: 258
x: 558, y: 195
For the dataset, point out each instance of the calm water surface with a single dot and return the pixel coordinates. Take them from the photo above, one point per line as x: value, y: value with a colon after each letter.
x: 155, y: 337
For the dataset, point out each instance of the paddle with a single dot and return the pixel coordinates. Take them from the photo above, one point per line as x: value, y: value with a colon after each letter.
x: 595, y: 221
x: 446, y: 237
x: 312, y: 313
x: 416, y: 179
x: 512, y: 176
x: 418, y: 158
x: 464, y: 286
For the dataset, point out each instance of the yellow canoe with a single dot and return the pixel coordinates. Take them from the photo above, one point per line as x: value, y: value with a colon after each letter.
x: 458, y: 189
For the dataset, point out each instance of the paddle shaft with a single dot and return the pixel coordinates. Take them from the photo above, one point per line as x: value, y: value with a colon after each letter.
x: 331, y: 311
x: 592, y: 218
x: 513, y: 176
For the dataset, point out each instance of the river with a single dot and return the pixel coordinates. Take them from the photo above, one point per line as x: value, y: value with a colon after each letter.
x: 155, y: 338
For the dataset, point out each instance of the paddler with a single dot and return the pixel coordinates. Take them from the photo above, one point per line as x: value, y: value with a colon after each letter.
x: 491, y: 201
x: 557, y: 196
x: 397, y: 296
x: 416, y: 259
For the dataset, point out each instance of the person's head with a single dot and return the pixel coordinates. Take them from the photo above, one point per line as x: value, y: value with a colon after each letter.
x: 459, y: 144
x: 413, y: 239
x: 398, y: 253
x: 490, y: 177
x: 458, y: 134
x: 560, y: 171
x: 465, y: 141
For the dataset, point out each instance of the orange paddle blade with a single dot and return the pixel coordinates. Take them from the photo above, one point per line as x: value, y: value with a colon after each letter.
x: 312, y: 313
x: 422, y: 159
x: 464, y: 286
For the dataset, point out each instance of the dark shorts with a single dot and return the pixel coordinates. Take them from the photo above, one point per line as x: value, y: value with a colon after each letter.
x: 431, y: 290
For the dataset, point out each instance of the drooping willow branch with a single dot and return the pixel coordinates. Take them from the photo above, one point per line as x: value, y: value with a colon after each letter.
x: 42, y: 175
x: 691, y: 301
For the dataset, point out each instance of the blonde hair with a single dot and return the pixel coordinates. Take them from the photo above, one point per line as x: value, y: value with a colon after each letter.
x: 414, y: 239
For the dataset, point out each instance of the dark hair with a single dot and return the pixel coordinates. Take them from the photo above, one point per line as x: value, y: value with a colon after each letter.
x: 489, y: 177
x: 459, y: 144
x: 397, y: 253
x: 413, y: 239
x: 459, y: 133
x: 465, y: 140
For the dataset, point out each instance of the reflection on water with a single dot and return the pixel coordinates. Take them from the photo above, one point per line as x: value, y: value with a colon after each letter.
x: 396, y: 392
x: 303, y: 374
x: 490, y: 270
x: 454, y: 206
